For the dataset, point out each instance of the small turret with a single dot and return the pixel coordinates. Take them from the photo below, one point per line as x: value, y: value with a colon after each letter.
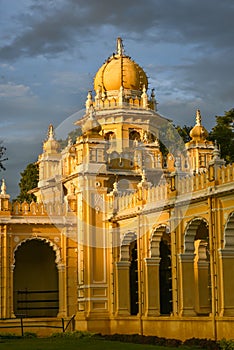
x: 51, y: 146
x: 200, y: 150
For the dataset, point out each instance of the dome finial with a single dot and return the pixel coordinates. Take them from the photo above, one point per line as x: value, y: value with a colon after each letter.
x: 119, y: 47
x: 51, y: 132
x: 198, y: 117
x: 3, y: 187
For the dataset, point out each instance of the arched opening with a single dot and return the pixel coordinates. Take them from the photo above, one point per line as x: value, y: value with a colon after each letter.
x: 229, y: 232
x: 133, y: 274
x: 165, y: 276
x: 197, y: 243
x: 161, y: 248
x: 134, y: 137
x: 35, y: 280
x: 110, y: 137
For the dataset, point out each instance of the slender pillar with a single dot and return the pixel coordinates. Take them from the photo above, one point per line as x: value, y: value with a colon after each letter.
x: 123, y: 288
x: 62, y: 290
x: 203, y: 305
x: 187, y: 285
x: 152, y: 288
x: 227, y: 272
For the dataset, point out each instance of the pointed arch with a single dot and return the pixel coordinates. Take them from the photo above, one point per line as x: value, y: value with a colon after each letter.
x: 155, y: 240
x: 191, y: 233
x: 229, y: 232
x: 128, y: 238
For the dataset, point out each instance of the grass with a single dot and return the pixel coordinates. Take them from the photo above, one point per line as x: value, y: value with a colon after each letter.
x: 72, y: 344
x: 88, y: 341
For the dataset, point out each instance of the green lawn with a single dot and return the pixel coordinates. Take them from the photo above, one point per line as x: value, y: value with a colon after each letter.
x: 74, y: 344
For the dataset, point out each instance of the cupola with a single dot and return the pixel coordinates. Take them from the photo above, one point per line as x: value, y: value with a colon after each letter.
x: 119, y: 82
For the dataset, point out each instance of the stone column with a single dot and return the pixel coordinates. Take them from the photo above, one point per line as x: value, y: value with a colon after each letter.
x: 12, y: 292
x: 187, y: 285
x: 123, y: 288
x: 227, y: 280
x: 152, y: 288
x: 62, y: 290
x: 203, y: 305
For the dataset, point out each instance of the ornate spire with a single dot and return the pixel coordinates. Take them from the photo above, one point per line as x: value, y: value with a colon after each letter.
x: 144, y: 97
x: 51, y: 132
x: 51, y: 145
x: 119, y: 47
x: 198, y: 117
x: 3, y: 187
x: 216, y: 151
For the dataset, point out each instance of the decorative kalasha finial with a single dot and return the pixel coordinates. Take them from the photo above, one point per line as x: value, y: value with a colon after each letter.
x: 89, y: 100
x: 51, y: 132
x: 119, y: 47
x: 198, y: 117
x: 216, y: 152
x: 3, y: 187
x: 91, y: 113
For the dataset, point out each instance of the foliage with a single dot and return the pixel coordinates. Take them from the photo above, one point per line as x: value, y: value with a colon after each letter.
x: 202, y: 343
x: 74, y: 334
x: 71, y: 136
x: 9, y: 336
x: 142, y: 339
x: 29, y: 180
x: 184, y: 132
x: 2, y: 156
x: 30, y: 335
x: 223, y: 133
x: 173, y: 138
x: 226, y: 344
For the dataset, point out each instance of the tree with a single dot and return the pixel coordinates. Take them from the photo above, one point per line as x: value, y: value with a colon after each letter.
x: 184, y: 132
x: 71, y: 136
x: 223, y: 133
x: 29, y: 180
x: 2, y: 156
x: 173, y: 138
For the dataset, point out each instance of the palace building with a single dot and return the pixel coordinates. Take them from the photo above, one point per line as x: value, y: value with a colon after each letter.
x: 122, y: 236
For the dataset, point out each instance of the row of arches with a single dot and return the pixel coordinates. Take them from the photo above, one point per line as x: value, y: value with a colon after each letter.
x: 36, y: 269
x: 196, y: 256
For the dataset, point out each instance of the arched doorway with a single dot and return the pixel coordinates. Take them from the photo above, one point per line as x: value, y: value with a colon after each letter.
x: 35, y: 280
x: 196, y: 243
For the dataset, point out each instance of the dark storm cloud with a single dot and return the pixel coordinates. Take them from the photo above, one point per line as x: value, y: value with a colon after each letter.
x: 49, y: 28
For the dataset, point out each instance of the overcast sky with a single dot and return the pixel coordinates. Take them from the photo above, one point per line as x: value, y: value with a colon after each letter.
x: 50, y: 51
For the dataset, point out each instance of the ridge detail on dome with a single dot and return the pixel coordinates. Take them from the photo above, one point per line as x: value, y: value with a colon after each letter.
x: 121, y: 81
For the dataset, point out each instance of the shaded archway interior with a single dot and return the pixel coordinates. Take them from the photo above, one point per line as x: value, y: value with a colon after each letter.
x: 35, y: 280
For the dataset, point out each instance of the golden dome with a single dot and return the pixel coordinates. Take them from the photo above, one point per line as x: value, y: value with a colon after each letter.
x: 198, y: 132
x: 120, y: 70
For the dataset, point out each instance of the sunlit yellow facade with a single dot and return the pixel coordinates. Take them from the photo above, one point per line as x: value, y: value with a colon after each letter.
x: 123, y: 237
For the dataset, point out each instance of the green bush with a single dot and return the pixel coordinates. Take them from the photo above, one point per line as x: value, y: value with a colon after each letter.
x: 30, y: 335
x: 9, y: 336
x: 202, y: 343
x: 75, y: 334
x: 226, y: 344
